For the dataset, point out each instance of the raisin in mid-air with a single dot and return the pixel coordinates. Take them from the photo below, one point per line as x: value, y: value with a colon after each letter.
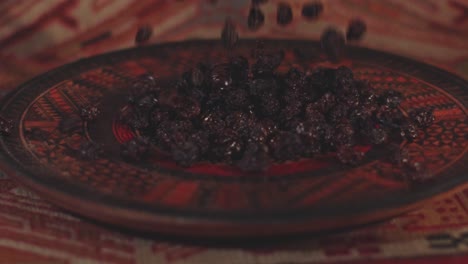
x: 284, y: 14
x: 333, y: 44
x: 356, y: 29
x: 312, y: 10
x: 256, y: 18
x: 143, y: 34
x: 229, y: 34
x: 252, y: 112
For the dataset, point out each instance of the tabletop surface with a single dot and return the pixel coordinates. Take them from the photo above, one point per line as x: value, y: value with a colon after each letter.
x: 39, y: 35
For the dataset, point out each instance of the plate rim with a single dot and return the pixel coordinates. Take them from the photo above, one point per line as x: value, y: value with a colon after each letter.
x: 58, y: 196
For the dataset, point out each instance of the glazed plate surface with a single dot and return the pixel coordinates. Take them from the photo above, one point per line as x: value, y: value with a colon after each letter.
x: 212, y: 199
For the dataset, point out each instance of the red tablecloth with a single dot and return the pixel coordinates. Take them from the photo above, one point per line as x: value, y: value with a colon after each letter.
x: 38, y: 35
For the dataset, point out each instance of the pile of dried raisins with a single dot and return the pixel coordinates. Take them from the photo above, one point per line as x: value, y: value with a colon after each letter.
x: 249, y: 115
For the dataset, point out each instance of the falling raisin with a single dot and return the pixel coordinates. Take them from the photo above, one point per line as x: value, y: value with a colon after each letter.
x: 256, y: 18
x: 229, y: 34
x: 250, y: 114
x: 312, y: 10
x: 284, y: 14
x: 143, y: 34
x: 333, y: 44
x: 356, y: 29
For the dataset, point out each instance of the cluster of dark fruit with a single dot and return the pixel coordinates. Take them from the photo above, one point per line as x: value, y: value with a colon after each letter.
x: 251, y: 115
x: 255, y: 18
x: 312, y: 10
x: 332, y: 40
x: 284, y: 13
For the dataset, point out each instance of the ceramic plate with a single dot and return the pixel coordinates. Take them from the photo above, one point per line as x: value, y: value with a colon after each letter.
x: 213, y: 199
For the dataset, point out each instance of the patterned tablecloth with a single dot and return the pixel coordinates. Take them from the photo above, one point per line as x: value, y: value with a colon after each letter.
x: 38, y: 35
